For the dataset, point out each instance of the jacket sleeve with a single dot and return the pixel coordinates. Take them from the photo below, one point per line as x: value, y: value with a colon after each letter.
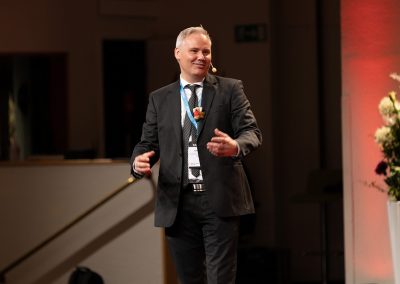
x: 244, y: 124
x: 149, y: 139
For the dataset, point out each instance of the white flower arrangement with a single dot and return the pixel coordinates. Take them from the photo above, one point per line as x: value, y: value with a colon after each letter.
x: 388, y: 139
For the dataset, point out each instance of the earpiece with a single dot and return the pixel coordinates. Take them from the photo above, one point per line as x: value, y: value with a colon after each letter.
x: 213, y: 69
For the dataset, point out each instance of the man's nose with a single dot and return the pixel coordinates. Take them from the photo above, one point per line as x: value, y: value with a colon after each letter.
x: 202, y: 55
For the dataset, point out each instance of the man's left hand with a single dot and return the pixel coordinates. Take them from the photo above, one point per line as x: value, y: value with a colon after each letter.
x: 222, y: 145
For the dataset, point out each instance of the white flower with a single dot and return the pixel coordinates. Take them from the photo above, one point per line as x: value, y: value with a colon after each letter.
x: 383, y: 135
x: 389, y: 110
x: 386, y: 107
x: 395, y: 76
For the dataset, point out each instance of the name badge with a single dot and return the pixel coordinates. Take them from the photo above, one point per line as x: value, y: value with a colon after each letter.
x: 193, y: 157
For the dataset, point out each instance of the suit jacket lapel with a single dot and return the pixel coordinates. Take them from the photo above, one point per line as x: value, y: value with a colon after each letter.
x: 207, y: 99
x: 173, y: 107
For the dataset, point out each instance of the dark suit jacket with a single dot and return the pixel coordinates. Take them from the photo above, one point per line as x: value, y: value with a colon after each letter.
x: 226, y: 108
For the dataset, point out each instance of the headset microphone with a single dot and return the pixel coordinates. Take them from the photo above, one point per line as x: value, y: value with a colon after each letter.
x: 213, y: 69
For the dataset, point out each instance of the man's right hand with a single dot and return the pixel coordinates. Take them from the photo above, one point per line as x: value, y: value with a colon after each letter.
x: 141, y: 164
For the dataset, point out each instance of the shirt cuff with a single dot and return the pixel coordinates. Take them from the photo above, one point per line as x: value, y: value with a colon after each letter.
x: 238, y: 147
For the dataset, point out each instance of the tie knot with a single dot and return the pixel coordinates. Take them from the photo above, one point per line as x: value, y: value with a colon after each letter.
x: 193, y: 88
x: 193, y: 98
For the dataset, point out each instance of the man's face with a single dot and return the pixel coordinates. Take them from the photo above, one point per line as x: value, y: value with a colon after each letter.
x: 194, y: 57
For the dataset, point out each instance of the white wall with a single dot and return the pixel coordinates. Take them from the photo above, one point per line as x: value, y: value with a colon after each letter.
x: 118, y: 240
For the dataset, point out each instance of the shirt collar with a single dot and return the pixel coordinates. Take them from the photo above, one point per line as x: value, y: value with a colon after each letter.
x: 184, y: 82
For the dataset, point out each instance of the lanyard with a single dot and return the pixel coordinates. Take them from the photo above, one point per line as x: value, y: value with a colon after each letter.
x: 187, y: 108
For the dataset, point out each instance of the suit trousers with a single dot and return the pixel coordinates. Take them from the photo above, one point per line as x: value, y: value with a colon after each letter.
x: 203, y: 246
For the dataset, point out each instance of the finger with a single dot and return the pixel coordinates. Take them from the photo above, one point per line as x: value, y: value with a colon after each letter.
x: 142, y: 164
x: 216, y: 149
x: 149, y: 154
x: 220, y: 133
x: 218, y: 139
x: 145, y: 157
x: 212, y: 145
x: 212, y: 151
x: 140, y: 168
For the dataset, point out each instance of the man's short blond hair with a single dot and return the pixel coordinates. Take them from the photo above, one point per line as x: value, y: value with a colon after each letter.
x: 188, y: 31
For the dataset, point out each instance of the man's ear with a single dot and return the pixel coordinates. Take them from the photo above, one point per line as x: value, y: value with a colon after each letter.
x: 177, y: 54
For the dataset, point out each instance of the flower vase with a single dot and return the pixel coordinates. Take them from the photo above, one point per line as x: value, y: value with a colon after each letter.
x: 394, y: 229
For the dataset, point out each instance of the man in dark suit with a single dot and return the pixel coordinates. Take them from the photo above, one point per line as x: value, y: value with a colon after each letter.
x: 199, y: 128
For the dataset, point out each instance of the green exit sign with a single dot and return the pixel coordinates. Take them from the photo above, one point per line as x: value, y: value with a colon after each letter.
x: 251, y: 33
